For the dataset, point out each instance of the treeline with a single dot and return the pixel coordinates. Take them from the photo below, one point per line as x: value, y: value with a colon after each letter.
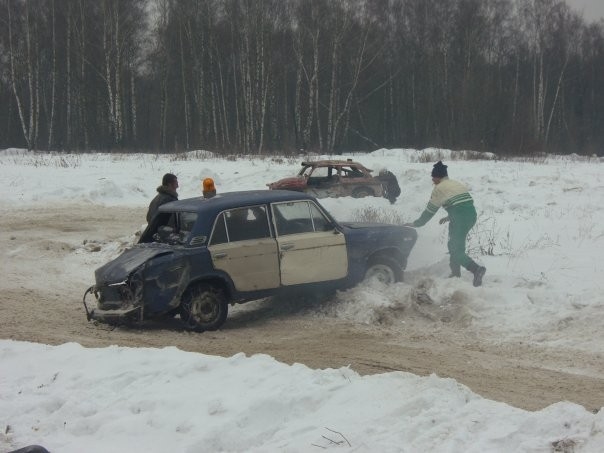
x: 258, y: 76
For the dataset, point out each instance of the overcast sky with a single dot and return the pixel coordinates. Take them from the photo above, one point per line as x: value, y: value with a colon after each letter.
x: 593, y: 10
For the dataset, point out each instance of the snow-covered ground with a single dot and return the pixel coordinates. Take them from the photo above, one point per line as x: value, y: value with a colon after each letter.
x: 540, y: 233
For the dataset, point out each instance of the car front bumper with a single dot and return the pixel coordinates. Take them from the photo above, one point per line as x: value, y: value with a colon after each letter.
x: 109, y: 315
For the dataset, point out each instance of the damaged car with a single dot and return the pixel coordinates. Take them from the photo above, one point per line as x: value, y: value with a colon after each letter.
x: 198, y: 256
x: 340, y: 178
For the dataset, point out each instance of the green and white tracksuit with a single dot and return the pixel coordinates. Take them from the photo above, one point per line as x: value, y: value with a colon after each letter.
x: 454, y: 197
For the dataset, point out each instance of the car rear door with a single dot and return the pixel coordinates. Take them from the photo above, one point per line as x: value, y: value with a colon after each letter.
x: 355, y: 182
x: 242, y: 246
x: 323, y: 182
x: 310, y: 249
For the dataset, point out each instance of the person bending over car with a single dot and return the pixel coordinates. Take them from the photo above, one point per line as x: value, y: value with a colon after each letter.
x: 165, y: 193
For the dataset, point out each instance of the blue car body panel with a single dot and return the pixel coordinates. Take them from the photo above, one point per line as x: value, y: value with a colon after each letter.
x: 152, y: 277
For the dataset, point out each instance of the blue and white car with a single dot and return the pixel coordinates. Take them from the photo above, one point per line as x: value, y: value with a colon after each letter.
x: 199, y: 255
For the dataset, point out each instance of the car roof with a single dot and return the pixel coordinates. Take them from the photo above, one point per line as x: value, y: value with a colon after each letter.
x: 333, y: 163
x: 229, y: 200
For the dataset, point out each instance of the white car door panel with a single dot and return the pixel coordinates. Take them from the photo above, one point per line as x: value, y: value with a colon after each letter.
x: 312, y: 257
x: 310, y: 250
x: 242, y: 246
x: 252, y: 264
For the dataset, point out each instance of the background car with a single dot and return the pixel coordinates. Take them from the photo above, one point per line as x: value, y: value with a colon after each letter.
x: 340, y: 178
x: 199, y: 255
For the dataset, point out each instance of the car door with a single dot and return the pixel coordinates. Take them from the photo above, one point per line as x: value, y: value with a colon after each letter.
x: 242, y: 246
x: 310, y: 249
x: 323, y: 182
x: 358, y: 183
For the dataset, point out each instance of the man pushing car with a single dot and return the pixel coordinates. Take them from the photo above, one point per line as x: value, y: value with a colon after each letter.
x: 454, y: 197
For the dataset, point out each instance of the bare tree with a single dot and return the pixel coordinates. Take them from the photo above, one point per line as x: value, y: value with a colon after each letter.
x: 27, y: 70
x: 257, y: 76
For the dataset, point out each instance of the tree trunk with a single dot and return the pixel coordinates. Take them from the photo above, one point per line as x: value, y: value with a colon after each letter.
x: 108, y: 72
x: 184, y: 88
x: 83, y: 95
x: 53, y: 77
x: 223, y: 118
x: 300, y: 71
x: 164, y: 110
x: 355, y: 79
x: 313, y: 95
x: 25, y: 126
x: 551, y: 114
x: 133, y: 105
x: 332, y: 110
x: 68, y: 123
x: 117, y: 44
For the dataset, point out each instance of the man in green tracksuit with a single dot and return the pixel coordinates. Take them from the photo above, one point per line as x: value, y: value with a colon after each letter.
x: 454, y: 197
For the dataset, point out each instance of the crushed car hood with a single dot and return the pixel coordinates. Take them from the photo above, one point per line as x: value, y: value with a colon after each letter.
x: 120, y: 268
x: 292, y: 183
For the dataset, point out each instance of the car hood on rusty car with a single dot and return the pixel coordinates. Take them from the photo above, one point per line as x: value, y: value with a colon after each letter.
x: 291, y: 183
x: 120, y: 268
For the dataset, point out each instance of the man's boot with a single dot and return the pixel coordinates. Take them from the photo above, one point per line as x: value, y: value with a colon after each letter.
x: 455, y: 270
x: 478, y: 272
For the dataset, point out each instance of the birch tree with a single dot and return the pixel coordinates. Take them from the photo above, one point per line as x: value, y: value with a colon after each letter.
x: 24, y: 72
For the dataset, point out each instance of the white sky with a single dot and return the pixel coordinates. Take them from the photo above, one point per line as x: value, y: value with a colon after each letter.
x: 543, y: 285
x: 593, y: 10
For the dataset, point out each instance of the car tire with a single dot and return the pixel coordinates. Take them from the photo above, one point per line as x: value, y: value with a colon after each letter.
x: 204, y: 307
x: 384, y: 269
x: 361, y: 192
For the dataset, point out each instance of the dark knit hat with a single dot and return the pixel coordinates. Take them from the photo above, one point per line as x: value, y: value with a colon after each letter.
x: 439, y: 170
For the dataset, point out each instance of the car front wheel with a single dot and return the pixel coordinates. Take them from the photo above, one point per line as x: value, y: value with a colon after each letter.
x: 386, y: 270
x: 204, y: 307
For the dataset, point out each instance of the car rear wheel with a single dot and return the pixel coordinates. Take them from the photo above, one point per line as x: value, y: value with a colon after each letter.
x: 204, y: 307
x: 384, y: 269
x: 361, y: 192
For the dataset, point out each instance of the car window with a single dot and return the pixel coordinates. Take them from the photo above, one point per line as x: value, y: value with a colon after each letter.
x: 320, y: 222
x: 352, y: 172
x: 299, y: 217
x: 186, y: 221
x: 241, y: 224
x: 219, y: 235
x: 306, y: 171
x: 320, y: 172
x: 322, y: 177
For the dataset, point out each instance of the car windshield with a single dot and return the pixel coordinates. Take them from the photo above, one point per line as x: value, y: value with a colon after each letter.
x: 170, y: 228
x: 306, y: 171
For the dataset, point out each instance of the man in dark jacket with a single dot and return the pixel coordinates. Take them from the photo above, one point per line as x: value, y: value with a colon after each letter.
x: 454, y: 197
x: 165, y: 193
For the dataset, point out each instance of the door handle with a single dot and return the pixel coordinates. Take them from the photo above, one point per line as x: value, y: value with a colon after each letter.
x: 287, y: 246
x: 220, y: 255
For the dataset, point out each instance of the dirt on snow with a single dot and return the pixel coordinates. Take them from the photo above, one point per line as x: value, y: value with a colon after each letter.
x: 49, y: 257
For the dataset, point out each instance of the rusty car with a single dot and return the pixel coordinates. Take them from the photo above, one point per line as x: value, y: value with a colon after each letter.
x: 340, y: 178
